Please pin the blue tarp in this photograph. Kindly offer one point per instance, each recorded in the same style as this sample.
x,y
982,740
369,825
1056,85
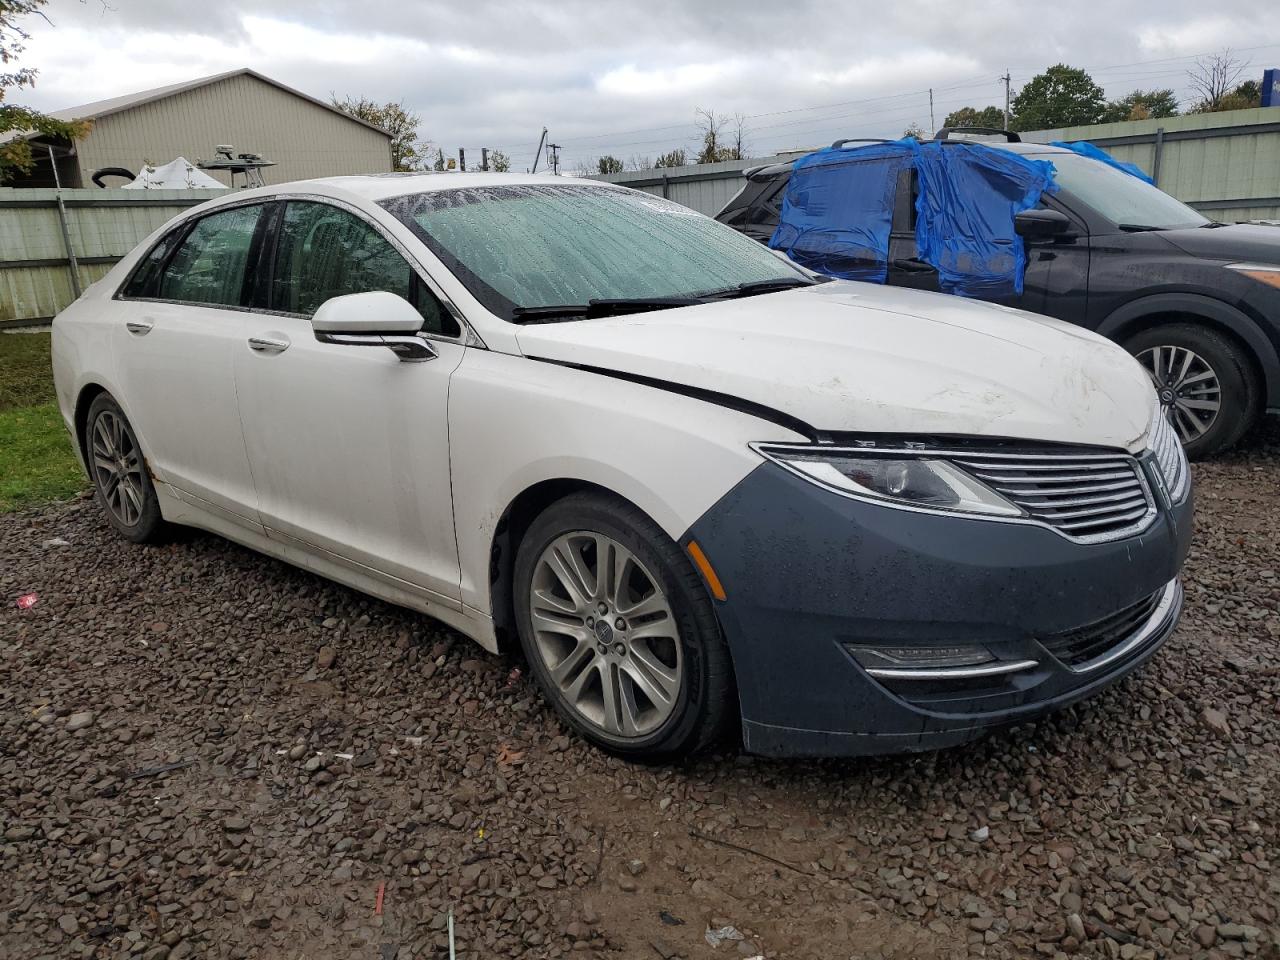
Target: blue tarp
x,y
969,196
838,210
1087,149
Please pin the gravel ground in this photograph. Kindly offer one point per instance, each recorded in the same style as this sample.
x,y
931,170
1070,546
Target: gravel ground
x,y
204,752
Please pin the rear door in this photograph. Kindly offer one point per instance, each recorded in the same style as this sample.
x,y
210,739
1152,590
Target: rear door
x,y
906,269
178,321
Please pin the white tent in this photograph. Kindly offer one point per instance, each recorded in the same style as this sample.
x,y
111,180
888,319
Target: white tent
x,y
179,174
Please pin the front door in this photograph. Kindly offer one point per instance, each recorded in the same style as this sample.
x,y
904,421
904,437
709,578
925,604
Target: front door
x,y
179,321
350,446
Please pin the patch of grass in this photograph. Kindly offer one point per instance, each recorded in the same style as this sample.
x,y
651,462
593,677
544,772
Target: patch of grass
x,y
26,377
37,463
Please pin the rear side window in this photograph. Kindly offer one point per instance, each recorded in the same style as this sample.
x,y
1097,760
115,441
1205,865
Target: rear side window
x,y
145,281
324,252
211,264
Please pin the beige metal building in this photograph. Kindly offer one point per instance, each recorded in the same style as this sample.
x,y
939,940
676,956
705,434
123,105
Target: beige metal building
x,y
304,136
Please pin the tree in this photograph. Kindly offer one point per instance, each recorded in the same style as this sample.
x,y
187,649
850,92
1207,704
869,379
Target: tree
x,y
675,158
1142,105
1214,78
914,132
438,165
500,162
609,164
640,163
992,117
407,148
1062,96
723,138
15,155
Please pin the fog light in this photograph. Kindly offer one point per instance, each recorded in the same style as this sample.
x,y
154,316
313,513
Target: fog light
x,y
924,658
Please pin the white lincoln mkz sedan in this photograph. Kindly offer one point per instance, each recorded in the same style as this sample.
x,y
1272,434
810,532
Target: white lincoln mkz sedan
x,y
708,493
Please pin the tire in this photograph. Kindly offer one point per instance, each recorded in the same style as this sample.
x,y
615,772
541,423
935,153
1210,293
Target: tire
x,y
1219,371
121,479
668,666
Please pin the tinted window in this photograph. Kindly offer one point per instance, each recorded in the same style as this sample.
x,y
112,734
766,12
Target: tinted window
x,y
325,252
145,281
211,264
530,245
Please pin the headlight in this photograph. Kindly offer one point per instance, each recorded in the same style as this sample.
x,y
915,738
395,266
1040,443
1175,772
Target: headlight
x,y
1261,272
1171,459
900,479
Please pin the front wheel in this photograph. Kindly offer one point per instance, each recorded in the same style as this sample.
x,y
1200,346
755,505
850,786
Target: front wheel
x,y
1205,384
619,630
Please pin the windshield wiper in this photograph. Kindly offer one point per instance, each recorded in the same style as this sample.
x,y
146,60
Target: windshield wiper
x,y
754,287
1138,227
619,306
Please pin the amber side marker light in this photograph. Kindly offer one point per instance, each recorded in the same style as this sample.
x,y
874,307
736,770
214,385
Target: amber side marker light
x,y
708,572
1271,277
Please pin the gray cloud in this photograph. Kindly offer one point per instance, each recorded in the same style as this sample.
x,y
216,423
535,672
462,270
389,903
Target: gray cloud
x,y
625,78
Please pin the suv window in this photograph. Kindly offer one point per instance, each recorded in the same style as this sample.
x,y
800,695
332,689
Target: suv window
x,y
210,265
324,252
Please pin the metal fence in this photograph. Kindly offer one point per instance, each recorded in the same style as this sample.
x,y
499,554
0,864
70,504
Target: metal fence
x,y
1226,165
53,247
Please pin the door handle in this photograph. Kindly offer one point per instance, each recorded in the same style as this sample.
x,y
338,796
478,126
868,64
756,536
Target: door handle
x,y
268,344
139,327
912,265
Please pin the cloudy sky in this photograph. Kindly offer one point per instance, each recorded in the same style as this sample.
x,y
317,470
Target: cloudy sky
x,y
626,78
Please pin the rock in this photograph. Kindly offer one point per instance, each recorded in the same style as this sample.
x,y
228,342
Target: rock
x,y
78,721
235,825
1205,935
1120,761
68,924
1215,721
981,834
1075,927
664,949
635,867
626,884
326,657
16,834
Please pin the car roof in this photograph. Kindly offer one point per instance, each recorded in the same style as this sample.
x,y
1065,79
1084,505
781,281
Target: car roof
x,y
379,186
771,170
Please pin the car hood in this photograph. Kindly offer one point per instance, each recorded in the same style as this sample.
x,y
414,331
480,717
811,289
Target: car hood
x,y
1247,242
845,356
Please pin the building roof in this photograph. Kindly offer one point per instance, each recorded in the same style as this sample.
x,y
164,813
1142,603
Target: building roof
x,y
103,108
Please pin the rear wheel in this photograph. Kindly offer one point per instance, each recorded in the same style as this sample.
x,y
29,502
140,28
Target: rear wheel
x,y
1205,384
121,482
619,630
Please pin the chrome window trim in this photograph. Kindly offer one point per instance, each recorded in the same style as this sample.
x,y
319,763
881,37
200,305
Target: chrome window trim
x,y
1139,525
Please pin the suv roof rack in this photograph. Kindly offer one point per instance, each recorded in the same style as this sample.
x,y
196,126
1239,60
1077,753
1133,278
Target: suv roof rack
x,y
840,143
946,132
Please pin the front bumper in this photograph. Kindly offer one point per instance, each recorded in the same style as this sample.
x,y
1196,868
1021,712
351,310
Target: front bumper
x,y
808,571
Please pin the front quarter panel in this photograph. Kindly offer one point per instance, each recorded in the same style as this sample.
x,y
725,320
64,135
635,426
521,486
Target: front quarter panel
x,y
516,422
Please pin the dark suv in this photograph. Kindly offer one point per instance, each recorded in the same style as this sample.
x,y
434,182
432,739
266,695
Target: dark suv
x,y
1196,301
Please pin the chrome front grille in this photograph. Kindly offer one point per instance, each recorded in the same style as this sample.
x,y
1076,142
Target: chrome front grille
x,y
1086,496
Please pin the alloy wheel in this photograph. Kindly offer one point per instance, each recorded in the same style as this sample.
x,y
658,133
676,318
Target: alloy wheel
x,y
1188,387
606,634
117,468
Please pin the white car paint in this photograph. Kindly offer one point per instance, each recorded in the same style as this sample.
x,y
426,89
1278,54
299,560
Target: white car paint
x,y
392,477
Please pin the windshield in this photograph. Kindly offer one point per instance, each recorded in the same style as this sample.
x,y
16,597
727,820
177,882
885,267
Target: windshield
x,y
521,246
1120,197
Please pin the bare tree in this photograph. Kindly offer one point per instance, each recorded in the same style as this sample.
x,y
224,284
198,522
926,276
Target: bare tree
x,y
640,163
712,125
738,136
1213,77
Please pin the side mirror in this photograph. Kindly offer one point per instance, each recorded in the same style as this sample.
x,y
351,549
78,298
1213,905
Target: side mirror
x,y
375,318
1043,225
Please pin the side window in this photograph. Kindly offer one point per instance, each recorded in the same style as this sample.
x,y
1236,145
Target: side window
x,y
904,205
211,264
145,281
324,252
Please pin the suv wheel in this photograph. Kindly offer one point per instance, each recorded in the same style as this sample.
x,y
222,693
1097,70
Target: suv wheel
x,y
619,630
1204,382
121,481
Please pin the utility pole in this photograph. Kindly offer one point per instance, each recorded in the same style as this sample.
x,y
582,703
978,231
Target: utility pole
x,y
484,159
553,151
538,155
933,126
462,159
1007,80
